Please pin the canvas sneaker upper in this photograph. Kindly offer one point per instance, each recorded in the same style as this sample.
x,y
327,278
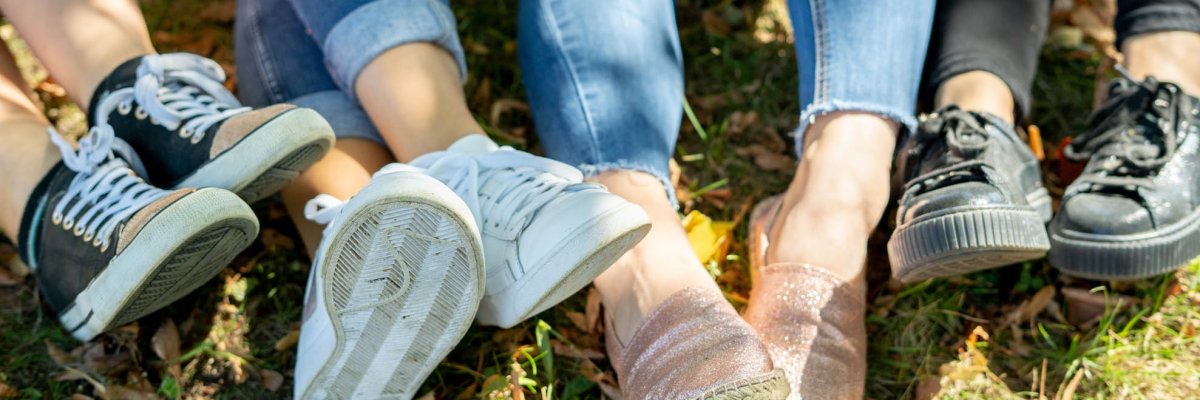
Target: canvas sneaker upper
x,y
175,111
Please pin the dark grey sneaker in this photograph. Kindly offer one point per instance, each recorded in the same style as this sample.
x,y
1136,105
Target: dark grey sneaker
x,y
191,132
1135,210
973,198
107,248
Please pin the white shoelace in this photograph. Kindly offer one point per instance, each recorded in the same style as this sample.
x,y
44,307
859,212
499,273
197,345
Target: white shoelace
x,y
530,182
105,189
172,88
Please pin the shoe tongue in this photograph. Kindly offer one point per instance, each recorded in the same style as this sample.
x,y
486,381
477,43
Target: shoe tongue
x,y
123,76
477,144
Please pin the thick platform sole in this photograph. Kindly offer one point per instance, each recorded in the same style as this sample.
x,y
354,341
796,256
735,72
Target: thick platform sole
x,y
401,282
179,250
269,158
579,259
1105,257
967,241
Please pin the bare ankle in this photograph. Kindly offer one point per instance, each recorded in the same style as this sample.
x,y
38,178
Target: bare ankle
x,y
978,91
1167,56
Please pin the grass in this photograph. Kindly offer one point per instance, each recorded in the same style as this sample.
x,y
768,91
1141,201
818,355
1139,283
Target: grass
x,y
236,335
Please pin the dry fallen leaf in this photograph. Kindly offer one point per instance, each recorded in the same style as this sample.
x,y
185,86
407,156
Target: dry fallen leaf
x,y
271,379
562,349
6,391
118,392
60,357
578,319
710,239
273,239
1085,307
166,341
592,311
288,340
1030,308
766,159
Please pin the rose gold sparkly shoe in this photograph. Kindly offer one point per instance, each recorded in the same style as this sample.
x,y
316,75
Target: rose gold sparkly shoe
x,y
694,346
810,320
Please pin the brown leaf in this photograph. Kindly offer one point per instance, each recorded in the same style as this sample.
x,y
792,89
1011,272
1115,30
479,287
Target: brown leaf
x,y
929,386
1085,307
288,340
578,319
714,24
271,379
7,392
273,239
101,358
427,396
1032,307
565,350
592,311
60,357
8,279
166,341
219,11
118,392
766,159
15,267
740,121
78,396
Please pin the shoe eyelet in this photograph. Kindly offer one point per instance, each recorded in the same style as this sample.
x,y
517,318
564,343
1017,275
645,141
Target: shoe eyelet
x,y
196,139
153,121
56,219
103,247
124,108
78,231
140,113
185,133
88,236
68,223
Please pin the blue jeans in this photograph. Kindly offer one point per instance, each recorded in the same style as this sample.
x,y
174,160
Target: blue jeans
x,y
604,78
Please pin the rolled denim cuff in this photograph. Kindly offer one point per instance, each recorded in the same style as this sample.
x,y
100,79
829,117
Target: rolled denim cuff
x,y
906,118
344,115
663,175
374,28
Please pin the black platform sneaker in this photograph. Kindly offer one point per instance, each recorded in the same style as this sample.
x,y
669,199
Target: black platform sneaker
x,y
973,198
107,248
191,132
1135,210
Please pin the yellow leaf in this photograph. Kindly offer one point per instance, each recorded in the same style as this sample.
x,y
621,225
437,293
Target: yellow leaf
x,y
710,239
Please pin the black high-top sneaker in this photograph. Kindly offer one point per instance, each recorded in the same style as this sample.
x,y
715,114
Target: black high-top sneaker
x,y
1135,210
973,198
107,248
191,132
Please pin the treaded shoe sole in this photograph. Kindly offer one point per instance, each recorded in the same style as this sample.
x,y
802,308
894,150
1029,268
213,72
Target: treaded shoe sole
x,y
177,251
401,282
962,242
1110,257
267,159
558,276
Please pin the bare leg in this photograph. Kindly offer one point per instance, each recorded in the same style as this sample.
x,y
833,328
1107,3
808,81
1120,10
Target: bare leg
x,y
846,164
1168,56
661,265
27,154
341,173
80,41
979,91
414,96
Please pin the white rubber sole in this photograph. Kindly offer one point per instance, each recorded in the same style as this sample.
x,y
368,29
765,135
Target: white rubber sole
x,y
579,258
177,251
269,158
401,280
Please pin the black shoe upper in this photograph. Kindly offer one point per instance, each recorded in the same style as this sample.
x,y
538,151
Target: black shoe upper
x,y
961,159
64,235
170,153
1141,149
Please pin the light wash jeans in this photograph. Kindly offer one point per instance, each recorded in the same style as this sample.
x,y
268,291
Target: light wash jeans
x,y
604,78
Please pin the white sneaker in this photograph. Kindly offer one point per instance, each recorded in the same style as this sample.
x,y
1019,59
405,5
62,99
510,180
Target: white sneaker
x,y
395,284
546,234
